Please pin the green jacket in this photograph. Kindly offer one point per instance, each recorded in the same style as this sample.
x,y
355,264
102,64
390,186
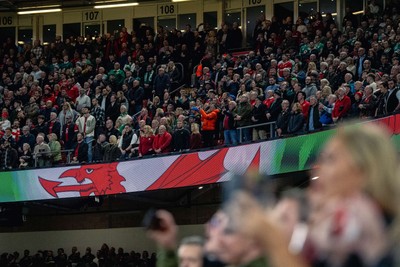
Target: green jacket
x,y
244,110
55,148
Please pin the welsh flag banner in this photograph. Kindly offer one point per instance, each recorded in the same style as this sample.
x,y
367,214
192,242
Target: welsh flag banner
x,y
189,169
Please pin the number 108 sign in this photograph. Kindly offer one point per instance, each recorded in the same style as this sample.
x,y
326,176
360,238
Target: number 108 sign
x,y
167,9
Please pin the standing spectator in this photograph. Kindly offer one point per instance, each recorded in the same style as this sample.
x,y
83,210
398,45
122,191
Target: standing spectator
x,y
110,130
53,126
283,119
392,98
276,106
305,105
4,122
310,88
180,138
136,96
162,140
69,132
41,152
113,109
55,148
146,141
342,106
230,132
37,49
235,37
258,117
195,137
80,154
243,118
98,148
209,116
313,120
26,137
8,156
99,114
296,120
161,83
86,125
326,110
368,103
83,100
65,112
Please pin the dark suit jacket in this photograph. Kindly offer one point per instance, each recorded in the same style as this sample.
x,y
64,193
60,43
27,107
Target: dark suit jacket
x,y
82,152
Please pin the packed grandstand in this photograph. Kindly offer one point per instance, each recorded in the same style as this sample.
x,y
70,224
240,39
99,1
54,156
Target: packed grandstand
x,y
155,91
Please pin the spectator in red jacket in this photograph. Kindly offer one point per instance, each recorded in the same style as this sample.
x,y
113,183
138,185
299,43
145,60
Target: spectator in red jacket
x,y
146,141
162,140
342,105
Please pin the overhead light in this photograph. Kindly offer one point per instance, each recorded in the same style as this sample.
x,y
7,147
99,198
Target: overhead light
x,y
315,178
358,12
117,5
200,187
333,14
33,7
109,1
180,1
39,11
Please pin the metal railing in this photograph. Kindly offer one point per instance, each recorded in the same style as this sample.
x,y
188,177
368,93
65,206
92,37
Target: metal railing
x,y
68,153
271,129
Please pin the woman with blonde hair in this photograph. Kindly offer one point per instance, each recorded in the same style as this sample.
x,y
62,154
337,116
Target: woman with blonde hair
x,y
325,92
111,150
353,201
195,137
311,67
66,112
55,148
146,142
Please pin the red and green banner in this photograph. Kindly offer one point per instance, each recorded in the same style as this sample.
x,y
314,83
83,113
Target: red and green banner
x,y
190,169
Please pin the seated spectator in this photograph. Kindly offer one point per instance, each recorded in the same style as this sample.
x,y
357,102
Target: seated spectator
x,y
128,143
162,141
111,151
25,157
296,120
80,154
146,141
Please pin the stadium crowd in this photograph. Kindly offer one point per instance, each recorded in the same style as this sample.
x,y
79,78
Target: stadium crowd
x,y
106,98
104,257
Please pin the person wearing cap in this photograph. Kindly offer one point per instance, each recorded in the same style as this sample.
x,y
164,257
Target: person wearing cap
x,y
258,117
86,125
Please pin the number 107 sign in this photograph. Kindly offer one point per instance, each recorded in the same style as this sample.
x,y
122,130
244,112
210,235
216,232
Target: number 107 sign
x,y
249,3
91,15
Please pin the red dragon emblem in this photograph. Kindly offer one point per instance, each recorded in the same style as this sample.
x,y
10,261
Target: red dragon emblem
x,y
104,180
